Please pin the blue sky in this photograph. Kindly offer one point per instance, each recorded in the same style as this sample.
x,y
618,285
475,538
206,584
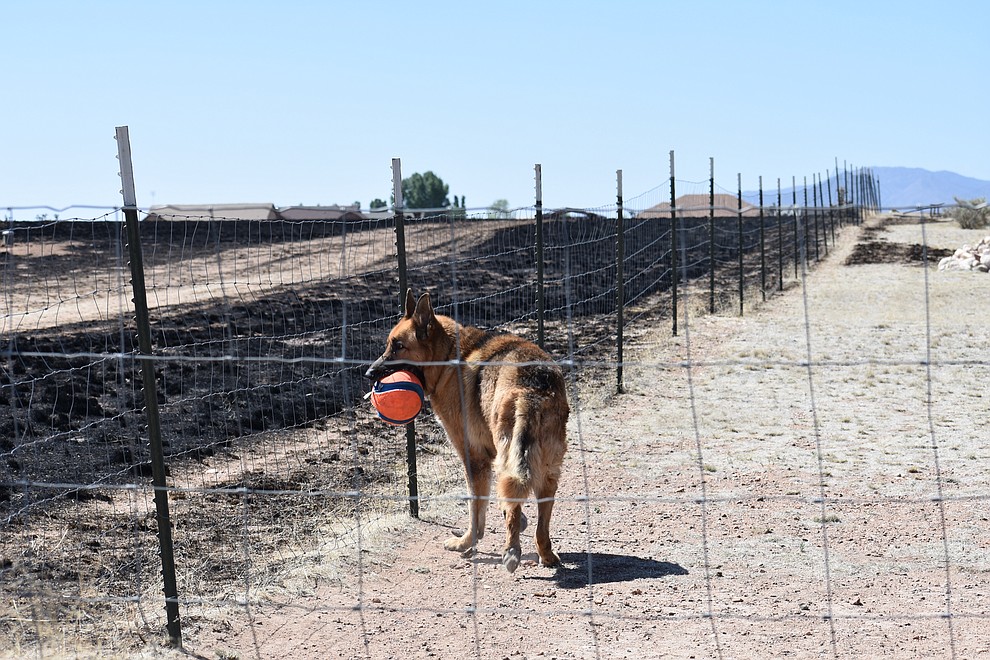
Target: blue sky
x,y
308,102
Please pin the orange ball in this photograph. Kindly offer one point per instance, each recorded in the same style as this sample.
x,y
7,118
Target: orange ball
x,y
398,397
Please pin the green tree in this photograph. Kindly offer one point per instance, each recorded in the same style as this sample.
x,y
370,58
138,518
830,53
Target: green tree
x,y
425,191
377,203
499,208
458,211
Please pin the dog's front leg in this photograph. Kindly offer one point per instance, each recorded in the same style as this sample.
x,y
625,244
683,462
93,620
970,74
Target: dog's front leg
x,y
478,473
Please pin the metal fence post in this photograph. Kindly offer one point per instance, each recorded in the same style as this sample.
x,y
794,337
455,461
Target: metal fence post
x,y
540,293
620,294
807,225
739,219
763,247
853,193
838,194
797,249
149,387
826,220
845,187
860,195
814,204
400,253
780,239
673,248
832,201
711,235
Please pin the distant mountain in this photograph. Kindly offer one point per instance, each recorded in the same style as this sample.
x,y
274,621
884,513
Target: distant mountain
x,y
901,188
906,187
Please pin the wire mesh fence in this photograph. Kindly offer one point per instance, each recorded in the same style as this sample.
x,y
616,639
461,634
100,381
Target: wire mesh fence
x,y
262,329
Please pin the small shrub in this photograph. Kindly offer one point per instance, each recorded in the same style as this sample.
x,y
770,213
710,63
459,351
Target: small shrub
x,y
972,214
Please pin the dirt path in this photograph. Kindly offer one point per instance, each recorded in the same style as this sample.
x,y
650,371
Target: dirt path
x,y
734,503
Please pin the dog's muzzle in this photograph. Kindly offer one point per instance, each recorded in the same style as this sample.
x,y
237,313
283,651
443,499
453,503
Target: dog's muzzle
x,y
379,369
384,366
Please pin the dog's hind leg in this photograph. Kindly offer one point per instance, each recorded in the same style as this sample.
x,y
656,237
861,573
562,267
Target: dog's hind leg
x,y
513,478
545,492
479,479
511,494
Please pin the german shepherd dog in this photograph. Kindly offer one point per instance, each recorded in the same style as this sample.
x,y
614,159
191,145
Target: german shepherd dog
x,y
503,404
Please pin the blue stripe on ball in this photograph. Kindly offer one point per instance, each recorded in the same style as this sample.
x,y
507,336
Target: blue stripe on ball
x,y
409,386
381,388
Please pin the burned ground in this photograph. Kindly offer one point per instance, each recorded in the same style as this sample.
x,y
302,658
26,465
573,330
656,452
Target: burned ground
x,y
247,381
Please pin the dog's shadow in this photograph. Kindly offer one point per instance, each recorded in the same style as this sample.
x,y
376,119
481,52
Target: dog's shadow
x,y
580,569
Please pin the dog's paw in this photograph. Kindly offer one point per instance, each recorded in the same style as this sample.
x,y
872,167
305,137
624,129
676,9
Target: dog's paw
x,y
510,560
461,544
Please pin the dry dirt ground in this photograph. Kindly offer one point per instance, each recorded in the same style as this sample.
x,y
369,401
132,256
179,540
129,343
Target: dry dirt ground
x,y
734,503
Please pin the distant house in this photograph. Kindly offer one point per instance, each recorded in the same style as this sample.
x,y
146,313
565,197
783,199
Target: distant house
x,y
379,214
257,212
331,212
218,211
697,206
557,214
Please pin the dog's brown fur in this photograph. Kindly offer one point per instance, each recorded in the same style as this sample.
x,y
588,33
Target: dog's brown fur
x,y
503,404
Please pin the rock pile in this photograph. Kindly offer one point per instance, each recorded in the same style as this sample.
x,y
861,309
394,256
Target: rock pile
x,y
968,257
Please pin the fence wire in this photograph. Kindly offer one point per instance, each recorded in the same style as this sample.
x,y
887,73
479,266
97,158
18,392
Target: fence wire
x,y
279,472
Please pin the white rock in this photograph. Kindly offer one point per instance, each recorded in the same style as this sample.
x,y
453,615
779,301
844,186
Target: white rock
x,y
969,258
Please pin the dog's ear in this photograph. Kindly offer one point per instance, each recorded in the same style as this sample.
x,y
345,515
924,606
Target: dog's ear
x,y
410,305
423,317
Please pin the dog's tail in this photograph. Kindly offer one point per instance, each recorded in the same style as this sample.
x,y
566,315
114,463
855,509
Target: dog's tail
x,y
517,464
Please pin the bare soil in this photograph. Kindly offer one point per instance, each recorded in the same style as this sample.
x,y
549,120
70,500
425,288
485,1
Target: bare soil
x,y
807,480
